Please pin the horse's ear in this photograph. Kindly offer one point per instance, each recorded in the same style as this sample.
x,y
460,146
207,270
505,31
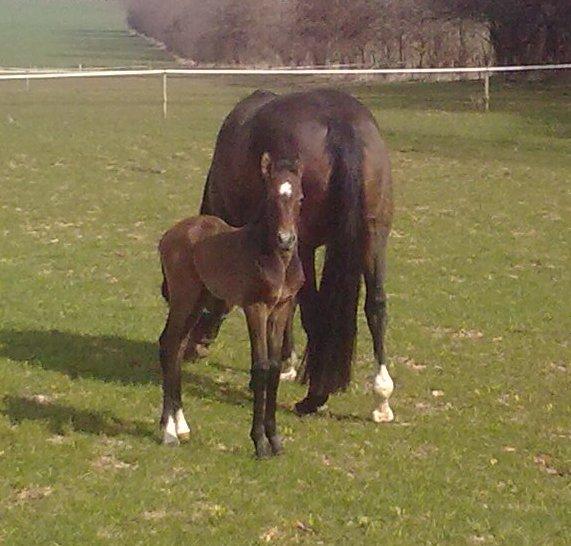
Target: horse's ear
x,y
266,164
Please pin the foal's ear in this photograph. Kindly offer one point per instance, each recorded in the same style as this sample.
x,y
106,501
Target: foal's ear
x,y
266,164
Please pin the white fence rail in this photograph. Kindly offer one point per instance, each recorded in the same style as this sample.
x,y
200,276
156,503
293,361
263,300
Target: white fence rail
x,y
484,72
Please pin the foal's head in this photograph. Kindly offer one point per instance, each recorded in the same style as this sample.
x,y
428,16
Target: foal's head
x,y
283,200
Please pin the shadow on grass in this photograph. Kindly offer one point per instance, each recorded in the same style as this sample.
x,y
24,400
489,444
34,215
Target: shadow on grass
x,y
106,358
64,419
112,359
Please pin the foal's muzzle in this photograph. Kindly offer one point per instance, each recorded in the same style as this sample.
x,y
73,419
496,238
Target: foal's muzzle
x,y
286,240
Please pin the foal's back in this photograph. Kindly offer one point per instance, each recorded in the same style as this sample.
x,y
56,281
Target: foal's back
x,y
203,252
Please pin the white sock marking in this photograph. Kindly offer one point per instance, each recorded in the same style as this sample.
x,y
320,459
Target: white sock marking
x,y
169,433
383,387
291,372
181,424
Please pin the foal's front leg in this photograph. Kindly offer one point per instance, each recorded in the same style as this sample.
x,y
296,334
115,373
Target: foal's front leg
x,y
277,323
257,316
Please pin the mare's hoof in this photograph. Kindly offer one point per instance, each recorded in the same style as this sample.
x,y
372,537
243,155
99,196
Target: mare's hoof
x,y
195,351
263,449
276,445
310,404
383,415
289,375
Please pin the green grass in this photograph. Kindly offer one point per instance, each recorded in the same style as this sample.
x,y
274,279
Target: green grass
x,y
64,33
91,176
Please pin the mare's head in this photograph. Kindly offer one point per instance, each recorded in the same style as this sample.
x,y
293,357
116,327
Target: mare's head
x,y
284,193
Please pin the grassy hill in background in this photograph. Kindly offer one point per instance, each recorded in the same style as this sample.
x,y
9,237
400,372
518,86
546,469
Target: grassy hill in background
x,y
67,33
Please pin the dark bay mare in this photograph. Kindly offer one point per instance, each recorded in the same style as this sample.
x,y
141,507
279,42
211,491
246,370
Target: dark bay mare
x,y
256,267
347,207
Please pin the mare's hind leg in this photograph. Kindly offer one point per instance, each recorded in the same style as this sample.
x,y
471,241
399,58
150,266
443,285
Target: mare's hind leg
x,y
289,358
173,340
376,312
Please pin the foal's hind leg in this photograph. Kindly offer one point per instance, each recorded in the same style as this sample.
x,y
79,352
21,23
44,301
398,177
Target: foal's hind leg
x,y
376,312
181,319
207,327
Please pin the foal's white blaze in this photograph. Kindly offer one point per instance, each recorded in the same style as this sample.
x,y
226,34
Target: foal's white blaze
x,y
182,428
383,387
169,434
286,189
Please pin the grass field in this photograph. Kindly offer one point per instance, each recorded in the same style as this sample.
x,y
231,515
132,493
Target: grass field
x,y
90,177
67,33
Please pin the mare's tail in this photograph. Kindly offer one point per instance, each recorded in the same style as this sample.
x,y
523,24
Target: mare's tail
x,y
332,343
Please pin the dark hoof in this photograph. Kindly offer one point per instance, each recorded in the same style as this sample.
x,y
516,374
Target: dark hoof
x,y
310,404
195,351
276,445
263,449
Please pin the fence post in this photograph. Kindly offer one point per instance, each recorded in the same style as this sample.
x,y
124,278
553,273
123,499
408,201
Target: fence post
x,y
165,98
487,91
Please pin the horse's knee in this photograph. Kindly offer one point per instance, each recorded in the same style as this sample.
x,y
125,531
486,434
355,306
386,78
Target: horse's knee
x,y
259,374
376,303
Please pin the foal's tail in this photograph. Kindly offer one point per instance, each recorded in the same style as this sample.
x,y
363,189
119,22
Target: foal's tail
x,y
334,328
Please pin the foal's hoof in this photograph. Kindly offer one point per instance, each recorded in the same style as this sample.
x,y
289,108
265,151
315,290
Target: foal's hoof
x,y
263,449
184,437
310,404
276,445
170,439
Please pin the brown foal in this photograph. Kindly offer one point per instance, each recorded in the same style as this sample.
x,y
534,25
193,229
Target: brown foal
x,y
209,265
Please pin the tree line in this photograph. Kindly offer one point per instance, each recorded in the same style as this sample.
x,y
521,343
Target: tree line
x,y
399,33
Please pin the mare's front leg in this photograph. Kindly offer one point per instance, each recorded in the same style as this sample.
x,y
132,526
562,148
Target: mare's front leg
x,y
277,323
309,306
289,358
376,312
256,317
